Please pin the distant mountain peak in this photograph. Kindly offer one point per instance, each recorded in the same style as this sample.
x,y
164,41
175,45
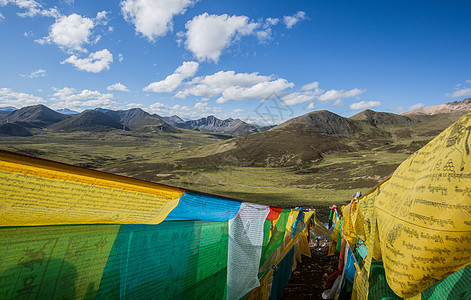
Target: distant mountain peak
x,y
91,120
67,111
35,116
461,102
381,119
321,121
8,108
213,124
455,106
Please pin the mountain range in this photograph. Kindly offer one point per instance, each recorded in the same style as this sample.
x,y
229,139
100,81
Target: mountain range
x,y
296,141
229,126
30,120
455,106
307,138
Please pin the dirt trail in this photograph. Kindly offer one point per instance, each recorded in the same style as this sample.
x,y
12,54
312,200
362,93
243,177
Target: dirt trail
x,y
308,281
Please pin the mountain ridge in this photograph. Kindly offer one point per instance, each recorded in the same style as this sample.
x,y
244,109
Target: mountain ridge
x,y
92,120
463,105
234,127
36,116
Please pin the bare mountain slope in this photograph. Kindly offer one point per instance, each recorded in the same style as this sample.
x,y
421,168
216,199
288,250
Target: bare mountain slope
x,y
37,116
455,106
92,120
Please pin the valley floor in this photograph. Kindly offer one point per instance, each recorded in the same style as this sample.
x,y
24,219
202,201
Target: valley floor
x,y
158,158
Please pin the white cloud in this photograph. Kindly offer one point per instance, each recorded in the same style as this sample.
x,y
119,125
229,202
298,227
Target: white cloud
x,y
133,105
70,32
265,34
118,87
171,82
156,107
153,19
272,21
95,63
338,102
33,8
290,21
468,81
120,57
339,94
415,106
258,91
1,16
10,98
299,97
364,105
228,85
464,92
311,91
101,18
80,100
208,35
310,106
402,109
310,86
35,74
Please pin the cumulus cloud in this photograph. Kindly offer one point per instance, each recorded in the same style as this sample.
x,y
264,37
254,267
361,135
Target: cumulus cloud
x,y
80,100
117,87
272,21
339,94
95,62
208,35
416,106
265,34
312,92
133,105
310,86
120,57
32,8
364,105
170,83
228,85
10,98
310,106
70,32
153,19
35,74
464,92
299,97
402,109
290,21
101,18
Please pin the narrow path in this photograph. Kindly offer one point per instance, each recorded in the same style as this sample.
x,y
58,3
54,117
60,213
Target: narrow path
x,y
308,281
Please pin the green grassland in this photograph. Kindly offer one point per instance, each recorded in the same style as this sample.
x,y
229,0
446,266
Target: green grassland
x,y
157,157
331,169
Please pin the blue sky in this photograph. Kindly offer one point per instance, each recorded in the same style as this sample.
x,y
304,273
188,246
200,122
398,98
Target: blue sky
x,y
226,58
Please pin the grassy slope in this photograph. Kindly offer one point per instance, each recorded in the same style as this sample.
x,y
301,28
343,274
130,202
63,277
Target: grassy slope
x,y
156,157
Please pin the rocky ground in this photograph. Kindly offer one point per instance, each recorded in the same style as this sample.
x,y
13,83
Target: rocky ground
x,y
308,281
